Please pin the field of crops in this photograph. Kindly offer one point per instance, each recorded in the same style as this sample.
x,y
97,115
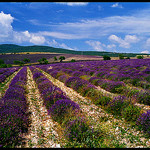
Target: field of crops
x,y
103,104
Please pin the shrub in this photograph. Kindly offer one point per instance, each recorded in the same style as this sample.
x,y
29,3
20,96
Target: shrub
x,y
63,78
117,105
131,112
62,108
105,57
17,62
61,58
143,122
1,61
73,60
77,129
3,66
9,65
26,60
128,57
121,56
103,101
139,57
55,58
43,61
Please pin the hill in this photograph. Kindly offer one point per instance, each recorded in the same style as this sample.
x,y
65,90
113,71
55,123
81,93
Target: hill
x,y
12,48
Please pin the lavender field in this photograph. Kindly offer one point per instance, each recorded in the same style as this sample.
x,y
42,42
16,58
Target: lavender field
x,y
91,104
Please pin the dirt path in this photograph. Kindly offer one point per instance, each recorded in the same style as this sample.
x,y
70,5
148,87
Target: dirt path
x,y
119,129
43,132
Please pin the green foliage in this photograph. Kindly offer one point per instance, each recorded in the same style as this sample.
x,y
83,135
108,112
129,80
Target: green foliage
x,y
117,105
3,66
1,61
103,101
55,58
73,60
81,135
139,57
128,57
61,58
121,56
43,61
17,62
105,57
9,65
26,60
9,48
135,81
131,112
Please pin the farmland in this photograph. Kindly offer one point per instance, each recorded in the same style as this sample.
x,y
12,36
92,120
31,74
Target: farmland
x,y
103,104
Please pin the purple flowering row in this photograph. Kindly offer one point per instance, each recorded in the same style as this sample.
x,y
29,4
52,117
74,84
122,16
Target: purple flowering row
x,y
59,106
13,111
116,106
107,76
130,71
5,72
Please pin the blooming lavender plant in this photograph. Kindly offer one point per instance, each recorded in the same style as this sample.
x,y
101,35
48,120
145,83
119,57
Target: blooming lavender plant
x,y
13,112
62,108
4,74
117,105
143,122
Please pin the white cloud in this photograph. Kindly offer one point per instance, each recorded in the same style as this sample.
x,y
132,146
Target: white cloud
x,y
61,35
116,5
111,46
37,39
96,45
54,43
7,33
145,52
73,3
5,25
126,43
131,38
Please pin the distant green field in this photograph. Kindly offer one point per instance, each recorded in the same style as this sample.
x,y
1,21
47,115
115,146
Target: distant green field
x,y
11,48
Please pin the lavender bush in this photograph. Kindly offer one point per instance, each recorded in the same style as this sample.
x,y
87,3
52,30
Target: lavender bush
x,y
117,105
143,122
5,73
62,108
13,112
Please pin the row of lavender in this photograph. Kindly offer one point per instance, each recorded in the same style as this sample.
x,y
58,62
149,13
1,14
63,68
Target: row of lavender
x,y
5,72
120,105
66,112
13,111
98,73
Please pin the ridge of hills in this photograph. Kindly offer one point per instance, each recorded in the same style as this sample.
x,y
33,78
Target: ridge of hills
x,y
12,48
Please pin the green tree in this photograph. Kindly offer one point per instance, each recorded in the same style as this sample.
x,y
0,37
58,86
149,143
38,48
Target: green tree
x,y
55,58
139,57
73,60
128,57
61,58
121,56
26,60
1,61
105,57
43,61
17,62
40,61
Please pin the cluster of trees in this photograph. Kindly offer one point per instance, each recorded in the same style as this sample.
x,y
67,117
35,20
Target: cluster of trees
x,y
61,58
3,65
121,56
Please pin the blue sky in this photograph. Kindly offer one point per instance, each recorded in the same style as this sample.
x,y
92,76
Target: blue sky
x,y
86,26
